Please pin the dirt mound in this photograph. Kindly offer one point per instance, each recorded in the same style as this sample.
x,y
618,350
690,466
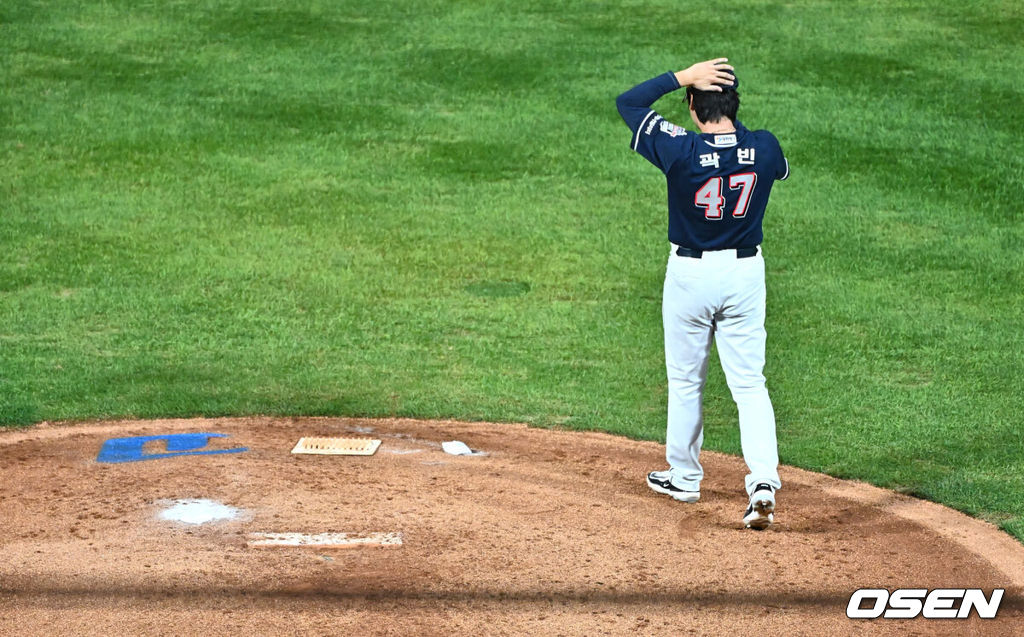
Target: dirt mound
x,y
550,532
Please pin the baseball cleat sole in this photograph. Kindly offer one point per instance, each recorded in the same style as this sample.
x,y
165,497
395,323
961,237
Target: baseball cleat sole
x,y
760,515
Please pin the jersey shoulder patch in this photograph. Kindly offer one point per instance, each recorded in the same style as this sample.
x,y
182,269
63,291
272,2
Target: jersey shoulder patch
x,y
671,129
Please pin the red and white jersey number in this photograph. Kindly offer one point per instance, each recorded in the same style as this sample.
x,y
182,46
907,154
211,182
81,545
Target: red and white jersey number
x,y
709,196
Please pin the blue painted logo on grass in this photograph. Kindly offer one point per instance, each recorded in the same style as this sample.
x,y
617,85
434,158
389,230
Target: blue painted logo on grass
x,y
130,449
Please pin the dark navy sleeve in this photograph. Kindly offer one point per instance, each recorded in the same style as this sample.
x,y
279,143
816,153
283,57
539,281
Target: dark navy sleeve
x,y
652,134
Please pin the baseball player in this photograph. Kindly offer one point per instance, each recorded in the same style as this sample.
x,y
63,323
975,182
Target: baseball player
x,y
718,185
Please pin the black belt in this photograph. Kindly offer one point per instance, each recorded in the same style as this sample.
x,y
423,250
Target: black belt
x,y
741,253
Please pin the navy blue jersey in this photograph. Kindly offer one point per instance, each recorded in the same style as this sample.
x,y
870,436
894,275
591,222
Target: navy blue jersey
x,y
718,184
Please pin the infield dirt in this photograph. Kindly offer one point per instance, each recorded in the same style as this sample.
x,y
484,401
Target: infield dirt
x,y
551,532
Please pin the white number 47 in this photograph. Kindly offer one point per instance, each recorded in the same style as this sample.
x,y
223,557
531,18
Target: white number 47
x,y
709,196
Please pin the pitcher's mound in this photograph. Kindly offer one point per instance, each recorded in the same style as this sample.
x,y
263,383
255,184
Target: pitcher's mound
x,y
542,532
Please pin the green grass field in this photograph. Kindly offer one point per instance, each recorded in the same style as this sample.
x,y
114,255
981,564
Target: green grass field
x,y
430,209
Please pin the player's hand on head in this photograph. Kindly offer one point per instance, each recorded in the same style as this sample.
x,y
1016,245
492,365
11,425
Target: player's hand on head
x,y
707,75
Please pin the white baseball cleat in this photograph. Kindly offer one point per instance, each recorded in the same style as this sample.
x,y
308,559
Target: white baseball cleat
x,y
761,512
661,481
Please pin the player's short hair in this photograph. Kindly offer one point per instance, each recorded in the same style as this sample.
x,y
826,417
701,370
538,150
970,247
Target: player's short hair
x,y
711,106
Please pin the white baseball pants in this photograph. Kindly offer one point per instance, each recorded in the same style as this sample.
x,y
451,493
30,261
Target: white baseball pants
x,y
723,297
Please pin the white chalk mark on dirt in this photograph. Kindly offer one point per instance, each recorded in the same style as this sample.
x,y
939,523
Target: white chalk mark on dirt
x,y
198,512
